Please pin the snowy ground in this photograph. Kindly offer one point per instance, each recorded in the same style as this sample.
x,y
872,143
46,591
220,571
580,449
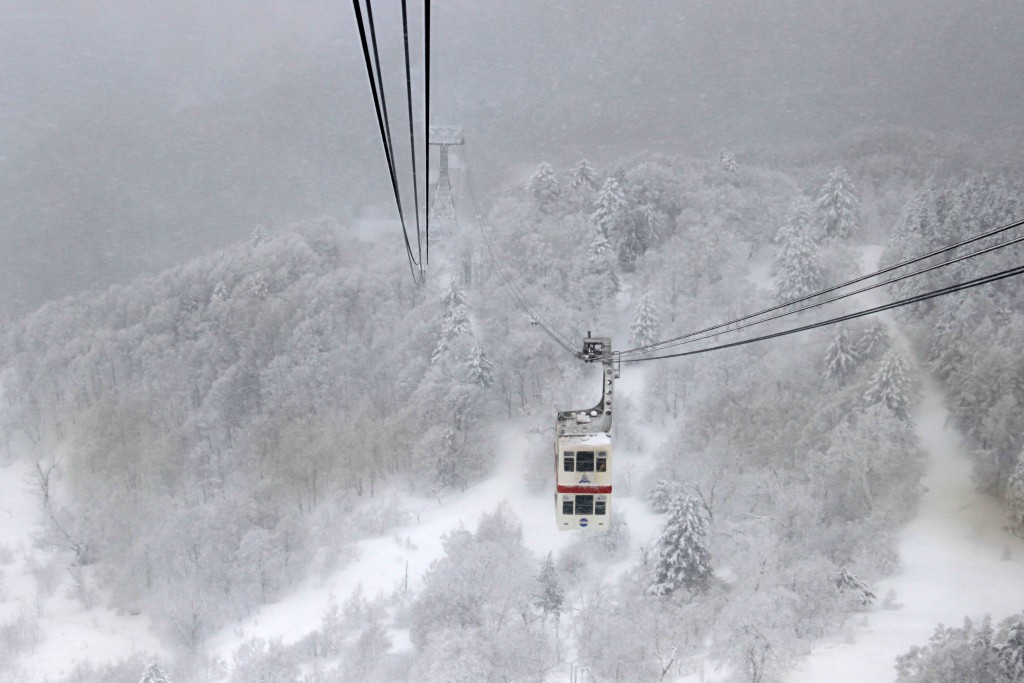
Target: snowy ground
x,y
37,591
958,560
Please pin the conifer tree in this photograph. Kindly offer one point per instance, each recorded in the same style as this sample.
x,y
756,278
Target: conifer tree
x,y
798,271
662,494
601,280
1015,497
837,206
683,560
644,327
455,321
890,386
550,596
874,342
583,176
840,358
479,367
258,287
1011,651
610,209
153,674
544,186
847,581
258,236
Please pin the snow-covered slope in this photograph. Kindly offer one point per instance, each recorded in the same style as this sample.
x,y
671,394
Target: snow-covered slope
x,y
39,599
958,559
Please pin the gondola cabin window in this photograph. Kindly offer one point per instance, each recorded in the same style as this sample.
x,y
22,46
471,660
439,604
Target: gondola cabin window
x,y
585,461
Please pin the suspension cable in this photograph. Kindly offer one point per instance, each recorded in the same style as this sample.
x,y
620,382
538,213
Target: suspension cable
x,y
412,137
967,284
890,281
382,126
426,109
656,345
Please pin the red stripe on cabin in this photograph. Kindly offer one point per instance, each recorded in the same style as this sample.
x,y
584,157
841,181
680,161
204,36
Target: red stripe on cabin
x,y
584,489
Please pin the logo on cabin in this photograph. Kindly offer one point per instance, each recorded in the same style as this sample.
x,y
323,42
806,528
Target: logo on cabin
x,y
584,479
583,521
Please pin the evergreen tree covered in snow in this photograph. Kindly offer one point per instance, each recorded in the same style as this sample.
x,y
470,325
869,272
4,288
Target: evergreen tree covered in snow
x,y
583,176
153,674
258,287
550,596
840,358
798,271
258,236
480,368
610,209
874,342
1011,650
600,279
455,321
846,581
544,186
974,652
645,322
954,655
890,386
683,560
1015,497
662,494
837,206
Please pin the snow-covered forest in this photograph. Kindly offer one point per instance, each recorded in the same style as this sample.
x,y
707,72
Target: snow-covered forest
x,y
281,460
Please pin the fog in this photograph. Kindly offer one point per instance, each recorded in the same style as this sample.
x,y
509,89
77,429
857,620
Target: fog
x,y
137,133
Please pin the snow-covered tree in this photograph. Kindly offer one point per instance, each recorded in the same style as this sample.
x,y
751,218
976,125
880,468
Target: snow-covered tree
x,y
644,327
662,494
600,279
891,385
258,287
479,367
220,291
874,342
837,206
610,209
847,581
953,655
798,271
840,358
544,186
583,176
683,560
1011,650
1015,497
154,674
258,236
455,323
550,596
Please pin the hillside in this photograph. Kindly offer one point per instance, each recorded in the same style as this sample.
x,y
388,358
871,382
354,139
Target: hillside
x,y
291,463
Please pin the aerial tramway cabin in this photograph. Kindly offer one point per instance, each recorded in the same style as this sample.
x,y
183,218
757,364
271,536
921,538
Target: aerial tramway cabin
x,y
583,454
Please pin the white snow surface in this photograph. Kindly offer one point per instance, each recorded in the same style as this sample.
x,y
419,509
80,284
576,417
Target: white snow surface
x,y
68,632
